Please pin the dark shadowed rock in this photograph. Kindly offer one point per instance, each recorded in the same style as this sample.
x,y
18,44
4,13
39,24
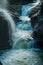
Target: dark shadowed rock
x,y
4,34
20,1
0,63
37,24
38,34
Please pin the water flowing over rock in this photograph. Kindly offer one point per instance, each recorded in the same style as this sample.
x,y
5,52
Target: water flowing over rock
x,y
20,38
7,27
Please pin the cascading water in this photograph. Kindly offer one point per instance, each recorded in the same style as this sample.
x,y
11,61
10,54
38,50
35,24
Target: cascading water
x,y
6,15
24,28
21,39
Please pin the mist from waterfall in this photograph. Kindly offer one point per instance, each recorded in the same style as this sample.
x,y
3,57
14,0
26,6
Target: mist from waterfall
x,y
3,3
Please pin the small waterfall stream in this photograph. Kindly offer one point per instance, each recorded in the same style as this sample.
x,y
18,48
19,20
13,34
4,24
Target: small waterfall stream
x,y
24,28
20,54
6,15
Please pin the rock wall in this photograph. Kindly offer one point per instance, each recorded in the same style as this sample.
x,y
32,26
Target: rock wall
x,y
4,34
38,30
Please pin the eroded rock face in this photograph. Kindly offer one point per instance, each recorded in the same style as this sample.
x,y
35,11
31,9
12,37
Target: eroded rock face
x,y
38,34
38,30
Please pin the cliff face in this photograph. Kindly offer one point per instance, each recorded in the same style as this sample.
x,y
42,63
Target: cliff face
x,y
38,30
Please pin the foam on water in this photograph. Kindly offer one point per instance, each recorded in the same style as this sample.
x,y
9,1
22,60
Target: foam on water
x,y
21,57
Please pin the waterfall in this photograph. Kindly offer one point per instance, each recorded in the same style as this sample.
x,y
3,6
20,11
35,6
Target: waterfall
x,y
28,8
24,27
11,23
20,54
